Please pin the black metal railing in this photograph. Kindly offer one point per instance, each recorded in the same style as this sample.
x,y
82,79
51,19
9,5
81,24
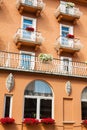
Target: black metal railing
x,y
30,63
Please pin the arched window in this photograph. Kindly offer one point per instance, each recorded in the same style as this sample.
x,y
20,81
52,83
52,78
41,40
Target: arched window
x,y
38,100
84,103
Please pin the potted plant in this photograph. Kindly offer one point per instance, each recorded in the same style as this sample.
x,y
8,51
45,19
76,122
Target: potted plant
x,y
7,120
48,121
30,121
70,4
45,57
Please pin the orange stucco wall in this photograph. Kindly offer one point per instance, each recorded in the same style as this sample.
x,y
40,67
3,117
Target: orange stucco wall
x,y
65,107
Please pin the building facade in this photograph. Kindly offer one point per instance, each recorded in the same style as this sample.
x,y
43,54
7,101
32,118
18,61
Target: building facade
x,y
43,64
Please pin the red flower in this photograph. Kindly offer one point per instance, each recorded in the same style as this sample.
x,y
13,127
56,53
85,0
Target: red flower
x,y
47,121
29,29
30,121
7,120
70,36
84,123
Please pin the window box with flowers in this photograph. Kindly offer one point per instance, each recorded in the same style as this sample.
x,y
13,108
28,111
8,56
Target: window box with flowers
x,y
7,120
30,29
47,121
70,36
45,57
30,121
84,123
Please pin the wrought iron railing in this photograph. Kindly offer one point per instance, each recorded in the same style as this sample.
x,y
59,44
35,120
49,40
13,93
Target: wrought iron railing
x,y
30,63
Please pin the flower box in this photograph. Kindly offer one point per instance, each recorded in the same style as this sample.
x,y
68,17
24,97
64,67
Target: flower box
x,y
45,57
84,123
7,120
31,121
48,121
70,36
30,29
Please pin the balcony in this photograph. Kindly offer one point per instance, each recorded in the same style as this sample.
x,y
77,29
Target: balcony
x,y
28,38
18,62
69,45
30,6
70,14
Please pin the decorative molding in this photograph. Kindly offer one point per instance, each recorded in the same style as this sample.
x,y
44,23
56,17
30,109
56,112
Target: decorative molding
x,y
10,82
68,88
68,122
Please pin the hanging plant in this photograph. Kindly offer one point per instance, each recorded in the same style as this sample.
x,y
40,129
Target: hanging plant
x,y
45,57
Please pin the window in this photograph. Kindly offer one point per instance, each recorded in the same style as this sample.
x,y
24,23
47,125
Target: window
x,y
8,106
27,60
64,30
84,104
28,35
38,100
66,65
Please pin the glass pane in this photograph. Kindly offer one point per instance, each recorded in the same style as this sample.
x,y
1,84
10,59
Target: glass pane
x,y
25,62
30,108
7,107
45,108
38,88
84,110
27,21
84,94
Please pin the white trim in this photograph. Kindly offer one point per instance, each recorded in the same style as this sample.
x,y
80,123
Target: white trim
x,y
38,98
11,99
69,67
28,18
70,28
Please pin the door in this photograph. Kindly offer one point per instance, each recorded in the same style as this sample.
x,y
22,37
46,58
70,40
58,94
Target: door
x,y
66,65
64,41
27,60
28,35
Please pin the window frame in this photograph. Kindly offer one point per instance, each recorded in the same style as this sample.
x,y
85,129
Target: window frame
x,y
10,107
38,104
70,64
32,34
25,52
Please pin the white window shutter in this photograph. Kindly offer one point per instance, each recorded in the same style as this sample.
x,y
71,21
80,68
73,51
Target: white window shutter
x,y
33,34
61,64
34,24
71,30
32,61
70,65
